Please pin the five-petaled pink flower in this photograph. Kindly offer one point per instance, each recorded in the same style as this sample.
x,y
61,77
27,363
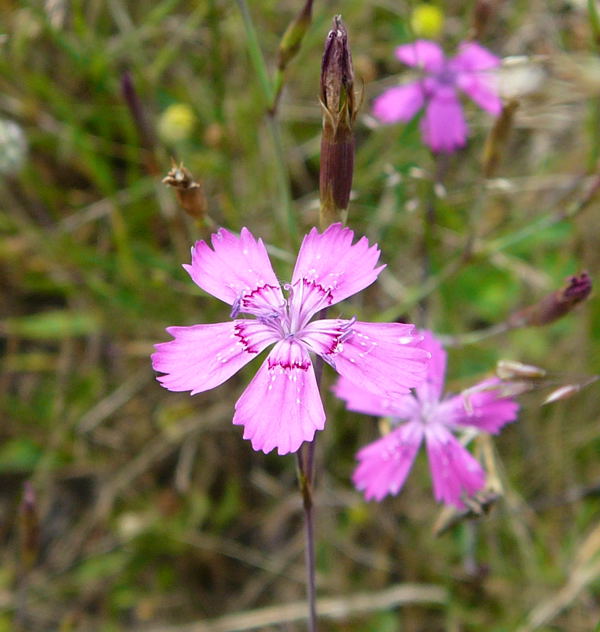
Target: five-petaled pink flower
x,y
281,407
443,124
385,463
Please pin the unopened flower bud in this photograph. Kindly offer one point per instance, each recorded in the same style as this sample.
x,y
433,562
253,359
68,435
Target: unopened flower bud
x,y
288,48
568,390
293,36
29,528
427,20
511,370
190,194
339,107
498,137
554,305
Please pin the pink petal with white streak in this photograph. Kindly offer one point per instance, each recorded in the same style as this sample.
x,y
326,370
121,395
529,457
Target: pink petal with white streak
x,y
329,262
480,406
383,358
399,103
203,356
281,407
233,267
362,401
421,54
385,463
454,471
443,125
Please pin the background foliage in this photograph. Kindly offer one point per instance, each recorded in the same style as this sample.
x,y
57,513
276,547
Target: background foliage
x,y
153,511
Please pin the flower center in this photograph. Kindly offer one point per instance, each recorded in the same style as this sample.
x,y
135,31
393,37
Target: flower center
x,y
446,76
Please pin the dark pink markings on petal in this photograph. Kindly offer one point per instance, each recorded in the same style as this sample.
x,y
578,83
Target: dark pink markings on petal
x,y
325,337
203,356
265,301
383,358
281,408
331,261
232,266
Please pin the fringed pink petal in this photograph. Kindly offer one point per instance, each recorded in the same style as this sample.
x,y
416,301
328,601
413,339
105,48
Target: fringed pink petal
x,y
455,473
363,401
384,464
281,407
422,54
431,389
331,268
443,125
481,406
234,267
399,103
383,358
474,57
201,357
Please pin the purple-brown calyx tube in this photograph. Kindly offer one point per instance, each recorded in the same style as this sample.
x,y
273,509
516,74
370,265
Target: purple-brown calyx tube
x,y
555,305
339,105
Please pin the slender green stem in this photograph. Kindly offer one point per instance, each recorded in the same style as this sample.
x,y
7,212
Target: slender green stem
x,y
306,478
255,52
285,211
304,456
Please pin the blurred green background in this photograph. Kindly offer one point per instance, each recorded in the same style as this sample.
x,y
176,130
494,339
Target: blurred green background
x,y
153,512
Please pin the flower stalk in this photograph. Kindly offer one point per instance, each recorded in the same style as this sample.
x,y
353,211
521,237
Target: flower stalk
x,y
339,106
140,120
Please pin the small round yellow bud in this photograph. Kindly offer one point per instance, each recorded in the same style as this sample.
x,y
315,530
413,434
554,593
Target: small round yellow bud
x,y
176,123
427,20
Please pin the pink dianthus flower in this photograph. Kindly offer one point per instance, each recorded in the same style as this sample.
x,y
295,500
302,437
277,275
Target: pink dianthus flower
x,y
281,407
443,124
425,414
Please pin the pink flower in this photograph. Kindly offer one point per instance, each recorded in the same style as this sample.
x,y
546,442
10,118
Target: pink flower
x,y
281,407
385,463
443,125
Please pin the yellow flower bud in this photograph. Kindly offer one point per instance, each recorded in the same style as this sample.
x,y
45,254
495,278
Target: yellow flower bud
x,y
427,20
176,123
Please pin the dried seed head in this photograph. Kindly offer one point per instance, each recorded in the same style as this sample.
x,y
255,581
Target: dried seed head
x,y
190,193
